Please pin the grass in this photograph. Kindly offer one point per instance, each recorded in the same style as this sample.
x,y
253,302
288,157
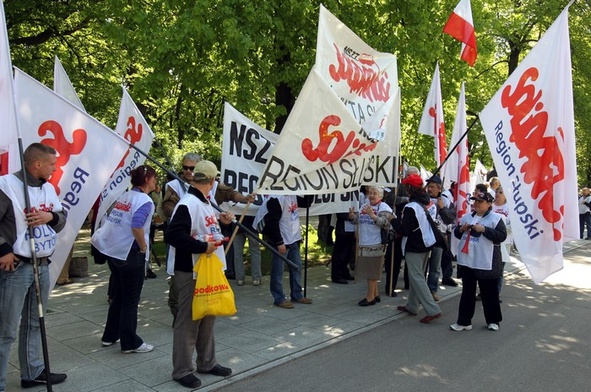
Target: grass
x,y
318,252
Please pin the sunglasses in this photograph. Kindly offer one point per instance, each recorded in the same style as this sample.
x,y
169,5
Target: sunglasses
x,y
190,168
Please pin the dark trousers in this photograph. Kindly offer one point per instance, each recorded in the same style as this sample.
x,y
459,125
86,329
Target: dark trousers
x,y
489,294
393,264
585,221
447,269
342,252
126,282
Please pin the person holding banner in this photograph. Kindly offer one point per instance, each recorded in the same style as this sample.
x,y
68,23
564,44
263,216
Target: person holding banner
x,y
481,234
418,239
18,300
124,239
194,214
373,216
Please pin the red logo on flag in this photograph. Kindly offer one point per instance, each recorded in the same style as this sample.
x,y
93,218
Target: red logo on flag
x,y
544,164
133,134
64,148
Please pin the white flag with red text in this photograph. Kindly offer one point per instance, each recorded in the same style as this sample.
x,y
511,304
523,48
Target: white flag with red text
x,y
461,27
63,86
432,122
132,126
457,167
9,133
87,154
529,126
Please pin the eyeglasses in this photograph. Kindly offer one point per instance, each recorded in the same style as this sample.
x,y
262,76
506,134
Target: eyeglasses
x,y
190,168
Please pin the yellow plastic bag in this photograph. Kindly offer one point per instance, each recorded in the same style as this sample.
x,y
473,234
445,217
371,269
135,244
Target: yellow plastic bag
x,y
213,295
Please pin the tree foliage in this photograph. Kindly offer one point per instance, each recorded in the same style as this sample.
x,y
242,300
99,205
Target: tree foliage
x,y
182,59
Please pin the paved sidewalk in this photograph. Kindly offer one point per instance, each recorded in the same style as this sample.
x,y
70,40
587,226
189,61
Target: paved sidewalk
x,y
259,336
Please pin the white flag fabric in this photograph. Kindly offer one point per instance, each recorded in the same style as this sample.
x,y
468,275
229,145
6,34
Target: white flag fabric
x,y
132,126
9,133
246,149
63,86
432,122
322,148
87,154
529,126
457,167
478,175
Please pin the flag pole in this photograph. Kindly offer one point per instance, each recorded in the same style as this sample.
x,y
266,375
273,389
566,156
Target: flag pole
x,y
456,145
36,273
239,224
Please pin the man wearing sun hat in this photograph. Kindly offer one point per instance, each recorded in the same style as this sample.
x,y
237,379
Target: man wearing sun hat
x,y
194,214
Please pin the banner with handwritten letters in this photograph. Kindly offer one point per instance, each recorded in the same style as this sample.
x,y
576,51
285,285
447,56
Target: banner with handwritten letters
x,y
366,81
132,126
245,151
529,126
87,154
9,134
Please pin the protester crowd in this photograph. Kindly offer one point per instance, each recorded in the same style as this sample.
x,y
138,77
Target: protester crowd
x,y
411,227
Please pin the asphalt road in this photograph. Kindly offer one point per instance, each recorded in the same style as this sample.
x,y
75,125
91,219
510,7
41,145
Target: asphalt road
x,y
542,345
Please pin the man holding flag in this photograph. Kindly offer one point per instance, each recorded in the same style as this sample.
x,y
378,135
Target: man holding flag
x,y
17,281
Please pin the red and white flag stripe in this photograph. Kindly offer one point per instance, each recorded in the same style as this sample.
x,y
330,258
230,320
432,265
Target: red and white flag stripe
x,y
461,27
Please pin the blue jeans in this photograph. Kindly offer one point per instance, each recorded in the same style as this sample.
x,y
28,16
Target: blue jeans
x,y
295,277
433,265
255,256
18,301
127,280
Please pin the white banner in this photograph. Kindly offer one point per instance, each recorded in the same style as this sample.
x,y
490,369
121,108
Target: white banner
x,y
9,133
366,81
529,126
63,86
246,149
132,126
87,154
432,122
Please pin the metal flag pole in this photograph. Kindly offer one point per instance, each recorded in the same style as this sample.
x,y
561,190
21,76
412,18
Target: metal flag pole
x,y
456,145
306,252
38,295
239,224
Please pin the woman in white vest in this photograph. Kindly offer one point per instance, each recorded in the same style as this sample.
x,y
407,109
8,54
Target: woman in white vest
x,y
481,234
417,241
124,239
371,218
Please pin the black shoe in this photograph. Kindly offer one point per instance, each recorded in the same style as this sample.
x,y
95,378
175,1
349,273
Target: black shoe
x,y
449,282
377,299
218,370
56,378
350,277
189,381
365,302
391,294
230,276
150,274
340,281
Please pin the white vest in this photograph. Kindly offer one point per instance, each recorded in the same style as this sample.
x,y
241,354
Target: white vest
x,y
480,248
369,232
114,238
289,223
424,226
41,198
204,220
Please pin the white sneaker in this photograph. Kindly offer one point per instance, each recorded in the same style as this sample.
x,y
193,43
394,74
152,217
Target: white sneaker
x,y
458,327
144,348
493,327
240,282
257,282
107,344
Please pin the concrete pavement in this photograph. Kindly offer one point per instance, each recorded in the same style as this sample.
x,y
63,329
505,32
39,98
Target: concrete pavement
x,y
258,337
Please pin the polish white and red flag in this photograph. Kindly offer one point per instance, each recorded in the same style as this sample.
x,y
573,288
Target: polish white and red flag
x,y
432,121
9,132
87,154
461,27
457,167
529,126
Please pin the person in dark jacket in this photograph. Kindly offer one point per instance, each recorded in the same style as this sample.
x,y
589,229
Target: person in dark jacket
x,y
418,239
479,255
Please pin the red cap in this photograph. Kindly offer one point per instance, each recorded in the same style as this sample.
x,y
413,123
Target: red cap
x,y
413,180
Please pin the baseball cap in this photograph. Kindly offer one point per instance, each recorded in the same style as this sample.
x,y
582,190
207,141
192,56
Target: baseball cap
x,y
205,170
413,180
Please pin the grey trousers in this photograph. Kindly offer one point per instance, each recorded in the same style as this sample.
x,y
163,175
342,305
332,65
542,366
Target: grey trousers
x,y
190,335
419,293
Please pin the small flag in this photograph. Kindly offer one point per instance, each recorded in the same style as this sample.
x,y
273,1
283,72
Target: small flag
x,y
460,26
